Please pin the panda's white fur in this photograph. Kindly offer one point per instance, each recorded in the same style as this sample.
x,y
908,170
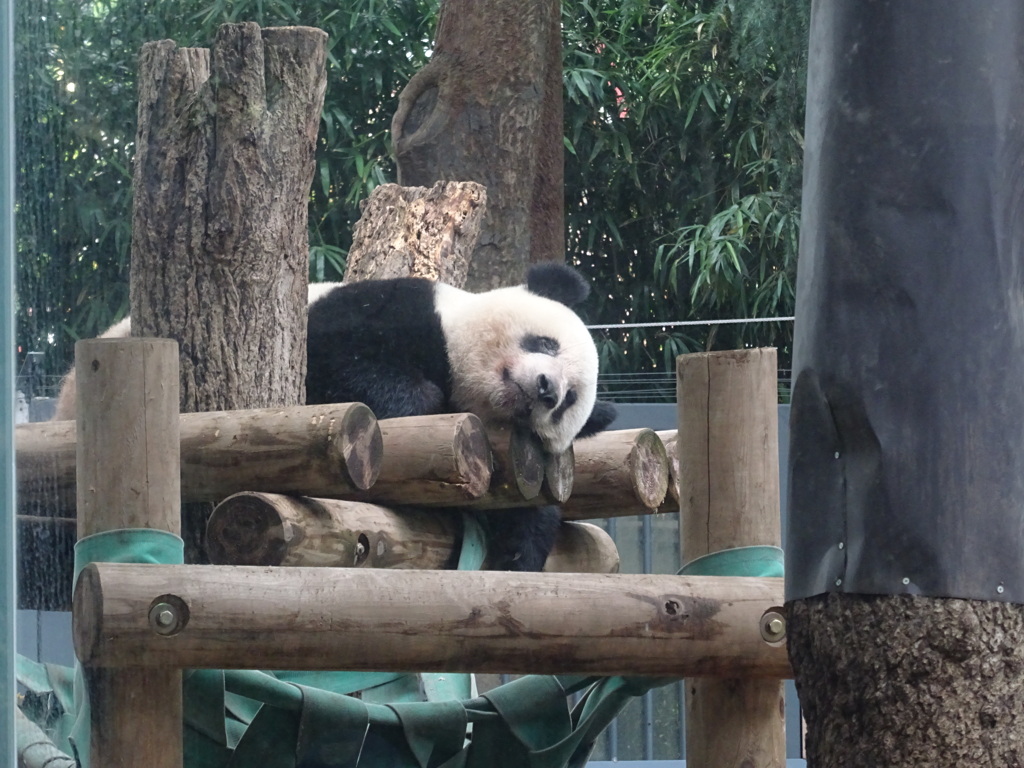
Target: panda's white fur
x,y
493,375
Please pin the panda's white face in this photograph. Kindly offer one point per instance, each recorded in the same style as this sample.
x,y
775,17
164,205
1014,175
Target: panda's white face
x,y
520,358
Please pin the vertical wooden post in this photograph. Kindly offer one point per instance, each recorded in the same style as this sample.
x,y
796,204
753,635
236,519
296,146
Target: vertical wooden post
x,y
729,497
129,477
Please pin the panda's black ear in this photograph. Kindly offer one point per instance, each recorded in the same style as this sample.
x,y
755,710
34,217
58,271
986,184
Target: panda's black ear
x,y
557,282
601,417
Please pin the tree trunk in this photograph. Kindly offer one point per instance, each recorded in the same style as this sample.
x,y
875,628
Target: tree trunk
x,y
904,576
912,681
488,108
220,257
223,168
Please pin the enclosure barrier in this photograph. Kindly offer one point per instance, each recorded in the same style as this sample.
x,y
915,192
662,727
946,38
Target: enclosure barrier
x,y
136,626
249,617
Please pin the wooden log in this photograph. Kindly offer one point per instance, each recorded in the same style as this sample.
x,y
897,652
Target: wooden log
x,y
669,437
518,475
443,459
559,476
330,450
454,621
45,455
35,748
272,529
426,232
582,548
223,165
322,449
335,451
128,477
729,467
624,472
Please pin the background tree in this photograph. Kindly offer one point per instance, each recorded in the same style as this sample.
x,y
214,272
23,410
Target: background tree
x,y
488,108
683,124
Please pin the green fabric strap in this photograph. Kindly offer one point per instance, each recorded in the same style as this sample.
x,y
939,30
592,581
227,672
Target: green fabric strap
x,y
126,545
739,561
251,719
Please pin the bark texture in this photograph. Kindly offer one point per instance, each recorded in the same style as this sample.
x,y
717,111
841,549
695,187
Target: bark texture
x,y
222,174
912,681
417,232
488,108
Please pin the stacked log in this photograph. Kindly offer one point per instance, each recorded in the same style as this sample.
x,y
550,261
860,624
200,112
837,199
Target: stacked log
x,y
352,481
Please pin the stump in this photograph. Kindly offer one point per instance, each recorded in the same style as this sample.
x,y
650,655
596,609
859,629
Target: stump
x,y
417,232
223,168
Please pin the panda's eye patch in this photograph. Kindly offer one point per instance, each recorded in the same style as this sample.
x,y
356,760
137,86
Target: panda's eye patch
x,y
565,405
543,345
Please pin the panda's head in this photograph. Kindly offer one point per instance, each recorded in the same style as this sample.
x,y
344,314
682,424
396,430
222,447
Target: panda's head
x,y
520,355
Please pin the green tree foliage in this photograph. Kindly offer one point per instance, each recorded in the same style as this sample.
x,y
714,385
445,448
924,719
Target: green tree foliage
x,y
683,126
684,130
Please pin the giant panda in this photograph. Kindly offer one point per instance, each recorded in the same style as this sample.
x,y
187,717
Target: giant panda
x,y
513,356
517,356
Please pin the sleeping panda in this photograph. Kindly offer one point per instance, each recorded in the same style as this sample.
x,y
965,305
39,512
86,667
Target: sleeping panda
x,y
516,356
513,356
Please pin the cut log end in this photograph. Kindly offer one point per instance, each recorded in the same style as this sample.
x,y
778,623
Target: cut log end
x,y
246,528
87,604
473,456
527,459
359,446
648,462
558,475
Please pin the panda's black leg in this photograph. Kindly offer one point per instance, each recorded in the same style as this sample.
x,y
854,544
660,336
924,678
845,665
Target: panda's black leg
x,y
520,539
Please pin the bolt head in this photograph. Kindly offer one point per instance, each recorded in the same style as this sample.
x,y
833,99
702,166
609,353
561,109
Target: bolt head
x,y
165,619
773,627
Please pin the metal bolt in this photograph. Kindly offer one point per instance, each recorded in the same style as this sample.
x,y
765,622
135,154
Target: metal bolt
x,y
999,589
773,627
164,619
839,582
841,545
906,580
837,454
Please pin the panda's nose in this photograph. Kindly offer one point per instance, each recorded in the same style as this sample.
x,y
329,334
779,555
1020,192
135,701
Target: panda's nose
x,y
546,393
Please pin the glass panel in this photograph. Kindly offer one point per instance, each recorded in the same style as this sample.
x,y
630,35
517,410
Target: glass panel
x,y
7,556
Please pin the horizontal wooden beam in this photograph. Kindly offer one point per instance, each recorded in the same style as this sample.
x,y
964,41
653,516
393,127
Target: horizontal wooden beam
x,y
327,450
272,529
341,451
623,472
211,616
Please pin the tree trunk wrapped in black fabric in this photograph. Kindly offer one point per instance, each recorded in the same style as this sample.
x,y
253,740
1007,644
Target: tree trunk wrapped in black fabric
x,y
907,460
